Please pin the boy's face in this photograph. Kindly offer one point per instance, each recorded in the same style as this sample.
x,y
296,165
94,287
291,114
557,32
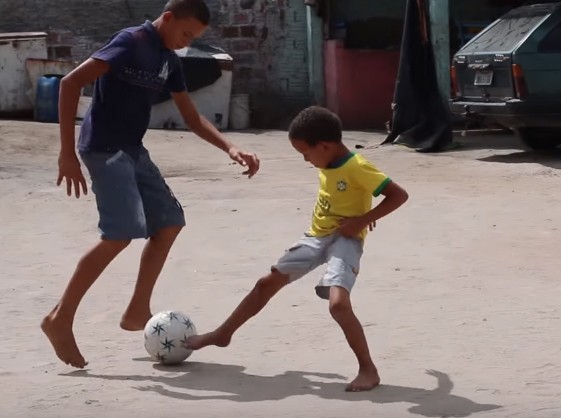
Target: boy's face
x,y
179,33
319,155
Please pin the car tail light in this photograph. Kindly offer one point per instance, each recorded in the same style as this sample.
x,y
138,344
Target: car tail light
x,y
520,86
455,87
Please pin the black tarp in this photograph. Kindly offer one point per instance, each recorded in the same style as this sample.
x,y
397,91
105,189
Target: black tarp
x,y
201,69
421,118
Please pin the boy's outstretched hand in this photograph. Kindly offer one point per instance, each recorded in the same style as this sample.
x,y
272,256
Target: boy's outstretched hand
x,y
245,159
69,169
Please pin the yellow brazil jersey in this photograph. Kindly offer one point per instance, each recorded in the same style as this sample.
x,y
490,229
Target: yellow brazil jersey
x,y
345,190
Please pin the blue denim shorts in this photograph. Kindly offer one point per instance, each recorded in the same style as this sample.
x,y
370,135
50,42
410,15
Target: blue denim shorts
x,y
133,199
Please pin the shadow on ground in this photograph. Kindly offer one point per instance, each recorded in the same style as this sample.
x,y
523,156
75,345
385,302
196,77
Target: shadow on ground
x,y
230,382
551,159
504,141
486,140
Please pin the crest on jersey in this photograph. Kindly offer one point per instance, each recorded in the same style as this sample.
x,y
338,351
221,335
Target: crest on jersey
x,y
341,185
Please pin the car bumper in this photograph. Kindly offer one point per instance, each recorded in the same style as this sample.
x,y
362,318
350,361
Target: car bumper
x,y
511,114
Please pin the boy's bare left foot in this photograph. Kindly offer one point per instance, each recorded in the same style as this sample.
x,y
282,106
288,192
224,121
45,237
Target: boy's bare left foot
x,y
59,333
135,321
367,379
196,342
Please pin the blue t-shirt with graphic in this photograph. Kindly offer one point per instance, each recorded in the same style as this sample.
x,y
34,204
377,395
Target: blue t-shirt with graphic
x,y
141,68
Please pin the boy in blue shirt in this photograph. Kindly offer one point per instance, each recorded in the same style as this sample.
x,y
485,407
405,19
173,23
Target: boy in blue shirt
x,y
133,200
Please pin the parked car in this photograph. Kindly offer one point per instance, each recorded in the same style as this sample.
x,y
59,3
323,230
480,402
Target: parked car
x,y
510,75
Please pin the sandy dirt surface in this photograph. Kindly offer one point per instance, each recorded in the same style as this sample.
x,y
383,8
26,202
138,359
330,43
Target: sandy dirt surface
x,y
459,292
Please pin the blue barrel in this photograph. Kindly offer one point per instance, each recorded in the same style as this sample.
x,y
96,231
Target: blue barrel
x,y
46,98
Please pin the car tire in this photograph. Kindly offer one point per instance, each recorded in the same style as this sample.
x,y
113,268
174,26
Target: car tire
x,y
540,139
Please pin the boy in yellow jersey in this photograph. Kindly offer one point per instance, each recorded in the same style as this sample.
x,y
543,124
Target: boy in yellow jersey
x,y
341,219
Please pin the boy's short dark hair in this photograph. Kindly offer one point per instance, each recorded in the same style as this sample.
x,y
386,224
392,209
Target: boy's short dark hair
x,y
316,124
183,9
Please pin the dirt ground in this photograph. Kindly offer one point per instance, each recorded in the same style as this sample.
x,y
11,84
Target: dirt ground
x,y
459,291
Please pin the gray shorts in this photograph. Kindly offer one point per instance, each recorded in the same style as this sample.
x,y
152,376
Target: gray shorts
x,y
133,199
342,256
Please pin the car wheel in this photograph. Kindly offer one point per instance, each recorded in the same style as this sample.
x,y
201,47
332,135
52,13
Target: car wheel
x,y
540,139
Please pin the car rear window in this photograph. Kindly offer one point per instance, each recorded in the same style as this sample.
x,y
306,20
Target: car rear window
x,y
505,34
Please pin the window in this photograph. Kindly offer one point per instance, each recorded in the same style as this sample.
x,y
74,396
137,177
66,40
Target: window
x,y
504,35
552,42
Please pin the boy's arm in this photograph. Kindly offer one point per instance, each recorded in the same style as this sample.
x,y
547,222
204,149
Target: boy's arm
x,y
372,180
394,197
70,87
204,129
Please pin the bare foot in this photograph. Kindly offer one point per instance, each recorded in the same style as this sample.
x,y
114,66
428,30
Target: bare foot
x,y
367,379
196,342
135,321
59,333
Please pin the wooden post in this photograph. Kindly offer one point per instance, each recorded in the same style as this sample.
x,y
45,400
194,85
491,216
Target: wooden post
x,y
440,36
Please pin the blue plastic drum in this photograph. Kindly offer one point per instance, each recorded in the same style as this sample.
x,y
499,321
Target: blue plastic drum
x,y
46,99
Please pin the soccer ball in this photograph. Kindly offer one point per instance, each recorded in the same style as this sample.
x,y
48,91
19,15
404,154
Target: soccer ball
x,y
165,336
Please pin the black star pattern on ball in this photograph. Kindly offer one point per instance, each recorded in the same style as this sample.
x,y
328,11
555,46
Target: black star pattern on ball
x,y
158,329
167,344
172,316
187,322
161,357
184,340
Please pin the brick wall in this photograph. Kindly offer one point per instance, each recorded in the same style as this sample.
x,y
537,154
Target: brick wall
x,y
267,39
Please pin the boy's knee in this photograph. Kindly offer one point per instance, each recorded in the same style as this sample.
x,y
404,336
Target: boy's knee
x,y
340,310
339,304
271,284
168,233
175,230
116,245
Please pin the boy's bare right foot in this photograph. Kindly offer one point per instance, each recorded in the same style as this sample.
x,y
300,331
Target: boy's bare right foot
x,y
59,333
367,379
135,321
196,342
